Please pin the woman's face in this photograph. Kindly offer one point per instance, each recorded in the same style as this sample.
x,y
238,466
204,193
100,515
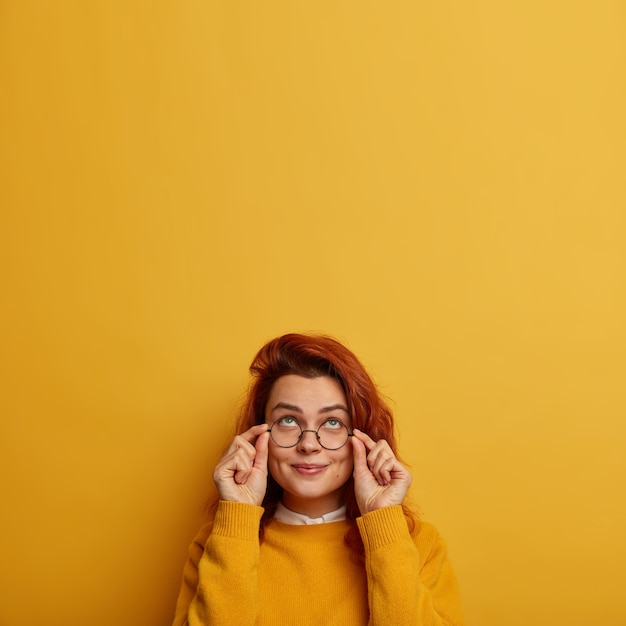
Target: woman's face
x,y
311,476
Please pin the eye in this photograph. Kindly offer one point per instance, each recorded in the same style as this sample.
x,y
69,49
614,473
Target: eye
x,y
287,422
332,424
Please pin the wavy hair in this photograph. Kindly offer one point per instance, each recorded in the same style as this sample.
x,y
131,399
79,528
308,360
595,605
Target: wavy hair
x,y
312,356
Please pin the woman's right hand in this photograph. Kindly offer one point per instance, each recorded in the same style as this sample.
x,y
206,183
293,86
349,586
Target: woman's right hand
x,y
241,474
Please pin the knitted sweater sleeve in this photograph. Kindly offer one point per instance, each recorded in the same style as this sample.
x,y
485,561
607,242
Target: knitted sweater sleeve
x,y
220,578
409,577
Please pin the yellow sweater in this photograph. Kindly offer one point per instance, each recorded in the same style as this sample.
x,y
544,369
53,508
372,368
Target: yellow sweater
x,y
306,576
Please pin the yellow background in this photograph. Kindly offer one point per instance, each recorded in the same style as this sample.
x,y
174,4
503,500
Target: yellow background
x,y
439,184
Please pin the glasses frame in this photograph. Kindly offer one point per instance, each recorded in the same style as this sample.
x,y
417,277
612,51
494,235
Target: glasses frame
x,y
308,430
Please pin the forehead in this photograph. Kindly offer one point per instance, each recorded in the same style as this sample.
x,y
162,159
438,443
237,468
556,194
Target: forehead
x,y
309,394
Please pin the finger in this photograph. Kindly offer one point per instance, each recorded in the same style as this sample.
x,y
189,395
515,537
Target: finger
x,y
380,459
246,439
238,446
382,470
261,446
366,439
360,455
379,456
252,433
241,467
258,460
232,467
381,451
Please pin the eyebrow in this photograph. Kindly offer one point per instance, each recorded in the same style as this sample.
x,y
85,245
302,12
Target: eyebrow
x,y
297,409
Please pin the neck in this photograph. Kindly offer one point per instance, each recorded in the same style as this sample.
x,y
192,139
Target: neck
x,y
312,508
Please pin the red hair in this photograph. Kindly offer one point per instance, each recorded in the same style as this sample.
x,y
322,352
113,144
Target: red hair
x,y
312,356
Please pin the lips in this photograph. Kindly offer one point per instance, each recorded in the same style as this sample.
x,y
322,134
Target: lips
x,y
309,469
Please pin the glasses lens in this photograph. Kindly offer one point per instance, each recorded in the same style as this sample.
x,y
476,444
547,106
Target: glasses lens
x,y
332,434
286,432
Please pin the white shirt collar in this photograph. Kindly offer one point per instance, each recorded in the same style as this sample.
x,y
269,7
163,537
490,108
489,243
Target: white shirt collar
x,y
283,514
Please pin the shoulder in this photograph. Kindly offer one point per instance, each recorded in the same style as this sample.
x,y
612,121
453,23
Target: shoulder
x,y
196,547
424,530
203,534
428,541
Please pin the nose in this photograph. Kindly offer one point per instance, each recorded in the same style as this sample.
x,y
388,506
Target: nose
x,y
309,444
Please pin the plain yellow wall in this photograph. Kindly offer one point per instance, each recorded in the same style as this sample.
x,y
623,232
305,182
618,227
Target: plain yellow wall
x,y
440,185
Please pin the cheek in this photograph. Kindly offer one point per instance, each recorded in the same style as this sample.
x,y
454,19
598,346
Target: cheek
x,y
345,467
274,460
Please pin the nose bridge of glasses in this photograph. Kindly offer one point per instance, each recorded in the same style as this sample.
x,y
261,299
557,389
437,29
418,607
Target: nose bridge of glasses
x,y
308,430
331,440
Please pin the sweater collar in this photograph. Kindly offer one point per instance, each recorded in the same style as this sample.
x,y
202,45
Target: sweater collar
x,y
283,514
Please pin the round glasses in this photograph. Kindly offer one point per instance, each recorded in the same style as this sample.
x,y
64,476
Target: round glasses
x,y
332,434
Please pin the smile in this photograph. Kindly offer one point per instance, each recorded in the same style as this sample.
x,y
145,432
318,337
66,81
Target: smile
x,y
307,469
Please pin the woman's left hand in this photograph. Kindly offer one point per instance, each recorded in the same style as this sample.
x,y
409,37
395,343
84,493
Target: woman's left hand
x,y
379,478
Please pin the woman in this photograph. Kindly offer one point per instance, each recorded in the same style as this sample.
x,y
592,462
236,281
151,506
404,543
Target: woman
x,y
311,525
